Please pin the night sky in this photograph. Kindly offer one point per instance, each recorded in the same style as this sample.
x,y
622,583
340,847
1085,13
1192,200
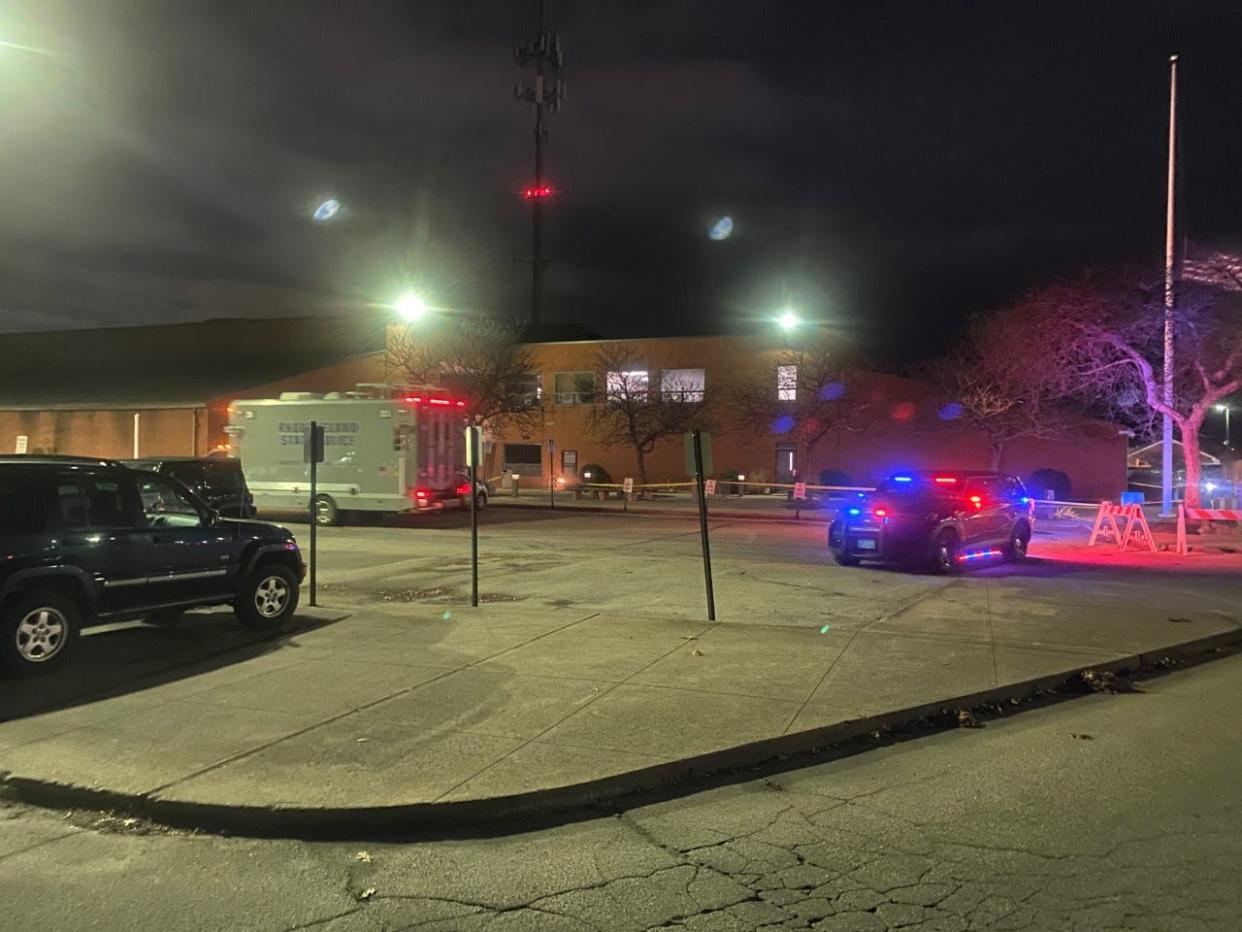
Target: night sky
x,y
889,167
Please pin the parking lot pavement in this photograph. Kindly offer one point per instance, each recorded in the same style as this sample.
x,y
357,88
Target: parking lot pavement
x,y
765,573
640,565
1108,812
591,661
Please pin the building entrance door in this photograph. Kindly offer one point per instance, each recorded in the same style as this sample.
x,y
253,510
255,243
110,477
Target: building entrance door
x,y
786,468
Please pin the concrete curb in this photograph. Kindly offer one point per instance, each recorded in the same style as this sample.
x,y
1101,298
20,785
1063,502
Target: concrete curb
x,y
672,513
593,799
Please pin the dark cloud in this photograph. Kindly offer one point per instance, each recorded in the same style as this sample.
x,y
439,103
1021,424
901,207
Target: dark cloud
x,y
891,165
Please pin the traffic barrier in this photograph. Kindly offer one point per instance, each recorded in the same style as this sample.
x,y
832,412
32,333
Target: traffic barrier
x,y
1200,514
1136,530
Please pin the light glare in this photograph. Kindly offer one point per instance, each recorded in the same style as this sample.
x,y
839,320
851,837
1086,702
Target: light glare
x,y
411,307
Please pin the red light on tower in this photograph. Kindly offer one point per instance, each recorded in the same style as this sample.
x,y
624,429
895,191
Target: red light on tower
x,y
537,192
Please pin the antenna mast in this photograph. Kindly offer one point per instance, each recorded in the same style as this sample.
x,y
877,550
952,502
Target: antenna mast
x,y
543,90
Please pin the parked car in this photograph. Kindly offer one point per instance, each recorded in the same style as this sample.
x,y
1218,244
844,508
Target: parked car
x,y
942,519
483,490
217,480
86,542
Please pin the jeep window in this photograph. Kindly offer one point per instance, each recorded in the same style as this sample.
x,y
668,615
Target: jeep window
x,y
189,473
107,504
72,498
21,506
223,477
165,505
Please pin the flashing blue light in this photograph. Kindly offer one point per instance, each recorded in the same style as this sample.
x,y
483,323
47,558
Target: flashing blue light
x,y
833,391
1024,500
783,424
855,511
980,555
903,479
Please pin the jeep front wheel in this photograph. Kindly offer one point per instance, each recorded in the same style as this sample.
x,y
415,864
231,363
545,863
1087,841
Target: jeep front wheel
x,y
38,632
268,598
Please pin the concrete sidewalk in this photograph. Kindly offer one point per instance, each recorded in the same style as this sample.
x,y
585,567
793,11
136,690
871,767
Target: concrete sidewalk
x,y
394,715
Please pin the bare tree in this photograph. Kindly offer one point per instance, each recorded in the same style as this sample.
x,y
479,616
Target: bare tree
x,y
998,386
1105,340
483,361
635,410
804,395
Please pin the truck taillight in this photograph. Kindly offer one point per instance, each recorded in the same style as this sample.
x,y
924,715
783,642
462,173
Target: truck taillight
x,y
422,494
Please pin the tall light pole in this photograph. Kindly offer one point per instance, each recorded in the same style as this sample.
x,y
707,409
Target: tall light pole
x,y
1170,263
1224,409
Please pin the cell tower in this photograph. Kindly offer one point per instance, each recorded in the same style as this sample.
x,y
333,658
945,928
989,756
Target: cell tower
x,y
543,91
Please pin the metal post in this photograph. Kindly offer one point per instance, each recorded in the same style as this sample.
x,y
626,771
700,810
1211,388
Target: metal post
x,y
314,479
1170,256
707,550
474,530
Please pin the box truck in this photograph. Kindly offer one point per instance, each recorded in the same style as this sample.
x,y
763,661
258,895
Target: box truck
x,y
387,455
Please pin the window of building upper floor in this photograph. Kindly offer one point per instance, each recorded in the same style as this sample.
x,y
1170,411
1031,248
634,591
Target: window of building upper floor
x,y
786,383
630,385
683,384
529,388
574,388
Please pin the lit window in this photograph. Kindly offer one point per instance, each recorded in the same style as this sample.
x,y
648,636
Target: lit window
x,y
627,386
682,384
786,383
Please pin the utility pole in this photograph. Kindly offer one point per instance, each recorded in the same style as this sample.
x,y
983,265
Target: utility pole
x,y
1170,297
544,92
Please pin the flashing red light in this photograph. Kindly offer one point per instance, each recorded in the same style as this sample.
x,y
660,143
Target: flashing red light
x,y
422,494
881,512
946,480
412,399
976,501
461,404
444,402
537,192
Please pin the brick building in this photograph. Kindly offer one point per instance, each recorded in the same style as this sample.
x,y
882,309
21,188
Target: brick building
x,y
152,391
903,432
165,390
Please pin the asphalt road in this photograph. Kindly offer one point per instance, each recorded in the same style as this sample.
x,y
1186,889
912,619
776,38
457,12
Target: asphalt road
x,y
1108,812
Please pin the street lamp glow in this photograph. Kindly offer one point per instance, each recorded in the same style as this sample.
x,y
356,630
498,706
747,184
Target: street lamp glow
x,y
788,320
326,211
411,307
1221,409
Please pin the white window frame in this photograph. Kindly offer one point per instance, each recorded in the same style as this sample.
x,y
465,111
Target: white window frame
x,y
686,385
786,383
625,385
575,396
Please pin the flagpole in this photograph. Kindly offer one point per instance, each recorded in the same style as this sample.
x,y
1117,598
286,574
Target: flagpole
x,y
1170,262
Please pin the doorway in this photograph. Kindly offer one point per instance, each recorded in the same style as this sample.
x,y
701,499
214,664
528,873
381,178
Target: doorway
x,y
786,465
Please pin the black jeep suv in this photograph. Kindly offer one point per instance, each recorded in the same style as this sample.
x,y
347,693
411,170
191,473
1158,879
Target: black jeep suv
x,y
86,542
944,519
217,480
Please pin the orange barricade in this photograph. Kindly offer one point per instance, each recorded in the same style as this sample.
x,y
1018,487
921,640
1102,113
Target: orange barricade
x,y
1201,514
1134,531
